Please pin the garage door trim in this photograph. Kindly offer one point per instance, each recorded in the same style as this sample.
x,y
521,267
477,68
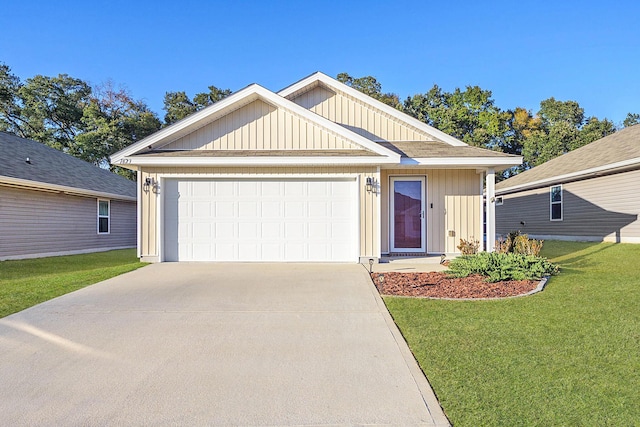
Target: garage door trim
x,y
354,179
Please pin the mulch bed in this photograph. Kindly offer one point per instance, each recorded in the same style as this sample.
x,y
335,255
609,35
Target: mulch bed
x,y
438,285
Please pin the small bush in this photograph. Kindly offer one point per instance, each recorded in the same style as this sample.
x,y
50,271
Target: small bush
x,y
469,247
519,244
497,267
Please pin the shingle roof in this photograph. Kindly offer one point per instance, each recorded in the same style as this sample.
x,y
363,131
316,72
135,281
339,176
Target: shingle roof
x,y
622,146
51,166
430,149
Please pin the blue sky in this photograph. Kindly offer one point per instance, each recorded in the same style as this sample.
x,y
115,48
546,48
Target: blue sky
x,y
524,52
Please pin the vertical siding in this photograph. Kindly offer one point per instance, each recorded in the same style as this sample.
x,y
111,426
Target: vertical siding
x,y
260,126
357,116
602,208
458,187
36,222
368,220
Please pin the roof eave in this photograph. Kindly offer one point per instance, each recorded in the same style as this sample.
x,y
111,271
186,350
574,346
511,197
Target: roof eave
x,y
38,185
484,162
259,161
587,173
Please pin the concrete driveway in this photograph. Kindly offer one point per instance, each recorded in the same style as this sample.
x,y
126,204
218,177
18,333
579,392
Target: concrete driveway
x,y
214,344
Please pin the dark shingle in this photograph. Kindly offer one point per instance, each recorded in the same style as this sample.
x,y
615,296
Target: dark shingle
x,y
623,145
52,166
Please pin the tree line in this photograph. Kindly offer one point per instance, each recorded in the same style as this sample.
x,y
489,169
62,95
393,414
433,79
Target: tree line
x,y
92,123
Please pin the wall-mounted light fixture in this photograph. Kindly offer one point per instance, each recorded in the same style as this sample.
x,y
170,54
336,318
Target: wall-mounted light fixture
x,y
369,184
148,182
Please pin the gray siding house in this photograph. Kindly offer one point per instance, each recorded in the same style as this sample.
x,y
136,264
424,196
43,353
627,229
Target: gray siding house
x,y
589,194
55,204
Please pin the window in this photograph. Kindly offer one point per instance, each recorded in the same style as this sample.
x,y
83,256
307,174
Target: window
x,y
555,196
499,201
103,216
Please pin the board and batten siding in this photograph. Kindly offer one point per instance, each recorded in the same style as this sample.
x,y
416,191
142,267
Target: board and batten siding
x,y
260,126
358,117
604,208
37,223
456,196
369,219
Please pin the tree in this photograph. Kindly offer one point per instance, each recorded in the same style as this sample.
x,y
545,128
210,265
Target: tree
x,y
52,109
112,120
10,111
178,105
562,128
468,115
370,86
631,119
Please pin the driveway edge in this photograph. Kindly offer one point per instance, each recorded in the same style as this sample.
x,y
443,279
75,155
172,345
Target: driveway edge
x,y
428,395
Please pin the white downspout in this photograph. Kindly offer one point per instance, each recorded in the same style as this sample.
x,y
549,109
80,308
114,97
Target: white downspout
x,y
491,210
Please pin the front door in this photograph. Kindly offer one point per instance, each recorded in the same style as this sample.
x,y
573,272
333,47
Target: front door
x,y
408,222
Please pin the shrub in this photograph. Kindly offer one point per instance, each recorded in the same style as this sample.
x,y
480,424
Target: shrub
x,y
519,244
502,266
469,247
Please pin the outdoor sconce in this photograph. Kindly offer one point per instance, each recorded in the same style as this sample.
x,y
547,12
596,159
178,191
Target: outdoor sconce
x,y
369,185
148,182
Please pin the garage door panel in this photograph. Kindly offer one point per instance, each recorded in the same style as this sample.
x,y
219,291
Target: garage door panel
x,y
260,220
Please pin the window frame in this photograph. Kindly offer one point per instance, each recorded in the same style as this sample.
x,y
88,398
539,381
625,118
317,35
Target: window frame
x,y
108,216
551,203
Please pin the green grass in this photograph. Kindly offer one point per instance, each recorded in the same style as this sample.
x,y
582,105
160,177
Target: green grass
x,y
25,283
568,356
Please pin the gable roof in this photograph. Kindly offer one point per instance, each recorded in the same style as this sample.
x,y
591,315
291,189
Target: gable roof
x,y
54,170
141,152
319,78
615,152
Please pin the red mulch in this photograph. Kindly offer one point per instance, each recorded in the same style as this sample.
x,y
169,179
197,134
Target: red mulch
x,y
438,285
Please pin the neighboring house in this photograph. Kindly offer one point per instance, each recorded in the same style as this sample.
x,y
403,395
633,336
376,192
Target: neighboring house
x,y
55,204
591,194
316,172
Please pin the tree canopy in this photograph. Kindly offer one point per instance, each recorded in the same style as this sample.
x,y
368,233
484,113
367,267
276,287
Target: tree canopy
x,y
94,122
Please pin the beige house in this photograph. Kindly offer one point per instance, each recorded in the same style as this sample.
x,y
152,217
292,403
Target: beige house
x,y
54,204
588,194
316,172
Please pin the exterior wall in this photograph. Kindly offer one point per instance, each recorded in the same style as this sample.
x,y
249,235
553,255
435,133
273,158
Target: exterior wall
x,y
150,200
456,212
361,118
37,223
602,208
260,126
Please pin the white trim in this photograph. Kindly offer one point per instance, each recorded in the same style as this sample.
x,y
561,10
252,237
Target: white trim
x,y
108,216
63,253
379,209
463,161
73,191
574,175
423,202
387,109
225,106
255,161
483,245
491,210
139,213
551,203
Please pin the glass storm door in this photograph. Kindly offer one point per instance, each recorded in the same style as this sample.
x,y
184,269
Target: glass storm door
x,y
408,223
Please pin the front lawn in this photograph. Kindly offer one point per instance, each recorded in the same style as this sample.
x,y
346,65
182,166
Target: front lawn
x,y
568,356
25,283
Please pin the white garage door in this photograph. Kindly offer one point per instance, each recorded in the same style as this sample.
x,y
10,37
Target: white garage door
x,y
260,220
